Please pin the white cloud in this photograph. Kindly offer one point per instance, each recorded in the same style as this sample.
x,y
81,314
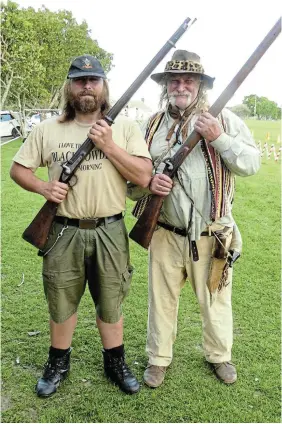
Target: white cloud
x,y
225,34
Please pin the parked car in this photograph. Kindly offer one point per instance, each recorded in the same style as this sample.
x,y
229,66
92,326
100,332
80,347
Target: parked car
x,y
34,119
9,125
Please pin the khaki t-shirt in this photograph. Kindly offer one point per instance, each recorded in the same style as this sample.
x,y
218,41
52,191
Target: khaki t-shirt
x,y
100,190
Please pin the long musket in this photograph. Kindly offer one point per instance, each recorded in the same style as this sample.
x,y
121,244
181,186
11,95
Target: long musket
x,y
37,232
144,228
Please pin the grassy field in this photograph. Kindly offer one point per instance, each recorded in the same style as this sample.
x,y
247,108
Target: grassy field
x,y
190,393
263,131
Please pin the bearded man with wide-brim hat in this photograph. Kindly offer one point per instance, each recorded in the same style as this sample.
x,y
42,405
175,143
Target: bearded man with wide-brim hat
x,y
196,238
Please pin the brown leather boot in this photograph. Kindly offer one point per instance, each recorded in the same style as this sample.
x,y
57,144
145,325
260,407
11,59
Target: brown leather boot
x,y
154,375
226,372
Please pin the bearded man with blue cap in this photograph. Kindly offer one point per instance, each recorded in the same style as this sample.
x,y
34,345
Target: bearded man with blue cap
x,y
88,241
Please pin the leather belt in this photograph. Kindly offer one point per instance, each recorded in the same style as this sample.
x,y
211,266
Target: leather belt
x,y
180,231
183,232
88,224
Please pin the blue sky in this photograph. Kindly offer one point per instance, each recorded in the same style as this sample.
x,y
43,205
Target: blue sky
x,y
225,34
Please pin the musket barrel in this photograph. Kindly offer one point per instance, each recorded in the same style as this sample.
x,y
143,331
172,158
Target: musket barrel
x,y
37,232
88,145
229,91
115,110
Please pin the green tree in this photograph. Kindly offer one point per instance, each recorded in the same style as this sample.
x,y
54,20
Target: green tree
x,y
262,107
241,110
36,50
251,102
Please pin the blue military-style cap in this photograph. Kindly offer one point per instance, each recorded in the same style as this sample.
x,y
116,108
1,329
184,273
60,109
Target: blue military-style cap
x,y
86,66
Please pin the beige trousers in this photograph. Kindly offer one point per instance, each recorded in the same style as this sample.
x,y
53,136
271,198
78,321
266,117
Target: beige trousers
x,y
169,266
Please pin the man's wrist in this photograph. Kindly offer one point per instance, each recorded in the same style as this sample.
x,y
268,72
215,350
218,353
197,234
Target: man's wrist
x,y
109,149
41,187
149,186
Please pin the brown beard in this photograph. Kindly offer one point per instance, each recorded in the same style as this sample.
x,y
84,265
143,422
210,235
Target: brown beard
x,y
70,104
86,101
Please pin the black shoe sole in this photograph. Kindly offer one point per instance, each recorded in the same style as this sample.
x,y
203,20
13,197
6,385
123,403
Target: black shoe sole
x,y
121,388
55,391
45,396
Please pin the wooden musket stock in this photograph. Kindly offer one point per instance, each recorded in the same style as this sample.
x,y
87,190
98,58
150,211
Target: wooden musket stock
x,y
144,228
37,232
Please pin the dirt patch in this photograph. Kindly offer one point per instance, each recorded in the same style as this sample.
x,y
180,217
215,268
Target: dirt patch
x,y
5,403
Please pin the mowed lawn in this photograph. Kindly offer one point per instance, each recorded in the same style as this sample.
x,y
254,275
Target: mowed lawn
x,y
191,393
265,131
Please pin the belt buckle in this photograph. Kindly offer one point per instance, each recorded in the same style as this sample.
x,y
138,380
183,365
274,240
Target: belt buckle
x,y
89,224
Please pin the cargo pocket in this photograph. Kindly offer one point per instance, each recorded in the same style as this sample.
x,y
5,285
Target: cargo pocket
x,y
48,279
126,281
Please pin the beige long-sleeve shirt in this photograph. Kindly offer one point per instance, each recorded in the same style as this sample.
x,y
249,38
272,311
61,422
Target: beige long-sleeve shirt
x,y
238,151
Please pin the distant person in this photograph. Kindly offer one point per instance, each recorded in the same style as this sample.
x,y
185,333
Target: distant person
x,y
196,237
88,240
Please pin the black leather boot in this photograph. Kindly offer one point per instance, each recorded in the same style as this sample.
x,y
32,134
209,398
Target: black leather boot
x,y
119,373
55,371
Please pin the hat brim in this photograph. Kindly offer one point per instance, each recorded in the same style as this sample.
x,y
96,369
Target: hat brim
x,y
86,74
159,77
